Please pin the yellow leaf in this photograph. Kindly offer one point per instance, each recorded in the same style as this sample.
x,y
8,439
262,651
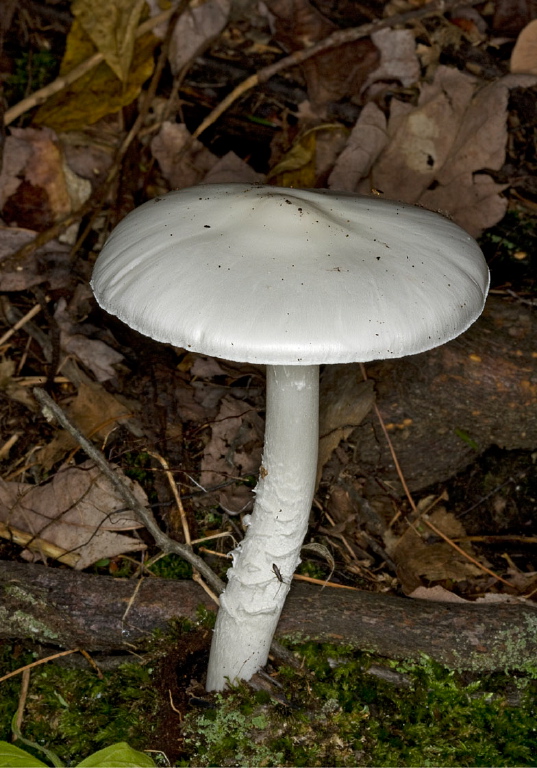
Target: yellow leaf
x,y
299,167
97,93
111,25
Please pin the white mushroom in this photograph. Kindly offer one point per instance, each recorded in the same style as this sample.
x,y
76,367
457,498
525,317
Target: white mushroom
x,y
289,278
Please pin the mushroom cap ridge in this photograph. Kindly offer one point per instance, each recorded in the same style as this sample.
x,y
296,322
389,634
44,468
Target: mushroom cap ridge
x,y
283,276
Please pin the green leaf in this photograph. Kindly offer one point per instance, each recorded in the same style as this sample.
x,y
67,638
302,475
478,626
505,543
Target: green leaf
x,y
13,757
117,756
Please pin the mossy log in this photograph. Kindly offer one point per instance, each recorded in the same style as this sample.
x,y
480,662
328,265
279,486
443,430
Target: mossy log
x,y
101,613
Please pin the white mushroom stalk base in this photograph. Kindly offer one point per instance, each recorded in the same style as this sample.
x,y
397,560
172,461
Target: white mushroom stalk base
x,y
264,562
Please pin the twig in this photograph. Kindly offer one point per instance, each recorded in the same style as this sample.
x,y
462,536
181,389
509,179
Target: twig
x,y
334,40
163,542
173,486
28,316
25,684
38,662
39,97
144,514
94,204
39,545
413,504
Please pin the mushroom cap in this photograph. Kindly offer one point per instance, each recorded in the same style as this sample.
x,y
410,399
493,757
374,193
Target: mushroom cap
x,y
283,276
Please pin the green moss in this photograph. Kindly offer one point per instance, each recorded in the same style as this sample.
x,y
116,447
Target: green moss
x,y
339,714
344,716
172,567
74,712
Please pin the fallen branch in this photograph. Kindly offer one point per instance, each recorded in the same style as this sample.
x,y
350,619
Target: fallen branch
x,y
72,609
144,514
341,37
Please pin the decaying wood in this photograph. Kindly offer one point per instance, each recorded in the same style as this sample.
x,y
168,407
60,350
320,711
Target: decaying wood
x,y
100,613
446,406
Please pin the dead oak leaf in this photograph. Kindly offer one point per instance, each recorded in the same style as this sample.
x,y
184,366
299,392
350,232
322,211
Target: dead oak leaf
x,y
423,556
334,74
437,151
78,510
49,263
94,411
189,169
233,450
97,356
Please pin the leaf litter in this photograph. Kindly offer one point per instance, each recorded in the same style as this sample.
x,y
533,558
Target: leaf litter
x,y
424,132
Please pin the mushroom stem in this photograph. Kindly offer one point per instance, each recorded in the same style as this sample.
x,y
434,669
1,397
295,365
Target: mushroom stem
x,y
264,562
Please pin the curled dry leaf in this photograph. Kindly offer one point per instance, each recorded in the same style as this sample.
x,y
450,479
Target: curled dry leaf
x,y
195,30
437,151
234,450
97,356
423,556
524,56
12,389
189,170
36,186
49,264
78,511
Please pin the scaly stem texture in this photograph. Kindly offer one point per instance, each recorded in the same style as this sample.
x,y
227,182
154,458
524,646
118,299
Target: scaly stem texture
x,y
251,604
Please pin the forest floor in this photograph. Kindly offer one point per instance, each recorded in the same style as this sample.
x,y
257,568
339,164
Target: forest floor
x,y
430,104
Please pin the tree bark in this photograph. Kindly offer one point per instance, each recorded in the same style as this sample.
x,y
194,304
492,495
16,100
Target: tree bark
x,y
100,613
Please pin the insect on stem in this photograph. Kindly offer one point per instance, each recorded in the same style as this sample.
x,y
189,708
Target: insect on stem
x,y
278,573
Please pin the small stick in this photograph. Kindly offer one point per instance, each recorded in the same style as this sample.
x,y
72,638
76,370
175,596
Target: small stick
x,y
164,542
39,661
22,701
28,316
173,486
8,445
340,37
39,97
36,544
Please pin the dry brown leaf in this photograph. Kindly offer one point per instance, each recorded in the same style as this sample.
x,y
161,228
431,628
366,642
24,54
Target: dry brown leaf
x,y
311,157
524,55
232,169
367,140
11,388
97,356
436,151
78,511
437,594
437,561
49,264
195,30
36,186
94,411
332,75
190,169
345,400
234,450
398,57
